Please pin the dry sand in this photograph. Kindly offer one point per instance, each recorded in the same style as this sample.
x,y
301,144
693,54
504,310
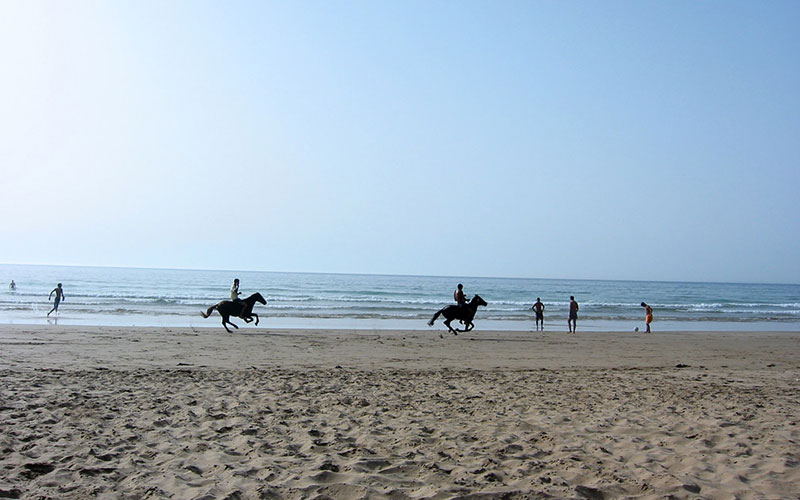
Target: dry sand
x,y
106,412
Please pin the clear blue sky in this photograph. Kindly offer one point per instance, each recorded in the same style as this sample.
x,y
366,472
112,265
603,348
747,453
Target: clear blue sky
x,y
619,140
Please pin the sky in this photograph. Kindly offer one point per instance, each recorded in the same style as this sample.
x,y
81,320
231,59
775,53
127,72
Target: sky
x,y
642,140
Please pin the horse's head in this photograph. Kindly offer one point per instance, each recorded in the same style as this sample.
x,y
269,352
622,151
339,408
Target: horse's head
x,y
259,298
478,300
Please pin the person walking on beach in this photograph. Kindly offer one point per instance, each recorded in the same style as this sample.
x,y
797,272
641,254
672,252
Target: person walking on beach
x,y
648,316
572,321
12,286
59,297
538,308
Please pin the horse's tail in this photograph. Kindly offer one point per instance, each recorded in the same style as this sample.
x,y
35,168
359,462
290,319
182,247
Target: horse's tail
x,y
430,323
210,310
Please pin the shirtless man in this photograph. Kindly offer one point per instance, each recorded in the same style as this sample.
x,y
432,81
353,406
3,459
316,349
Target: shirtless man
x,y
538,308
572,321
459,296
648,316
59,297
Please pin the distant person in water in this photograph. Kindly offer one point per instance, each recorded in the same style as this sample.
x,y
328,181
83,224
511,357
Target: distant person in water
x,y
648,316
538,308
235,291
12,286
572,321
59,297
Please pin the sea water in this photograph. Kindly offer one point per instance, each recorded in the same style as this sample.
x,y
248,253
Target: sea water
x,y
170,297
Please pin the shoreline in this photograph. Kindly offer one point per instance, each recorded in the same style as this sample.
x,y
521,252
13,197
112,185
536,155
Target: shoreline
x,y
392,324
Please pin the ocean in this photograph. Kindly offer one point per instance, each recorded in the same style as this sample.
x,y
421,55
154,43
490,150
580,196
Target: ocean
x,y
170,297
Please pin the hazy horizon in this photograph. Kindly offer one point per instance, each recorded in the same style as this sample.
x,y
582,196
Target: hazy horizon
x,y
268,271
642,141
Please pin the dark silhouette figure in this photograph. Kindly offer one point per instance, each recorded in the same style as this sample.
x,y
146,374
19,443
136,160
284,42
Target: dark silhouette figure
x,y
465,314
59,292
538,308
458,295
572,320
241,309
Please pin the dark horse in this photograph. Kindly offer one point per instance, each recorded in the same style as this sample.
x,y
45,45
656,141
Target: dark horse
x,y
465,314
242,309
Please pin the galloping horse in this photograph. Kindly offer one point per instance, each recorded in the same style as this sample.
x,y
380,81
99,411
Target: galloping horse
x,y
242,309
465,313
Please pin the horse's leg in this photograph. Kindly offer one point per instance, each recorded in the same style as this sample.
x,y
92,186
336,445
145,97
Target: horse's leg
x,y
469,327
244,313
430,323
256,315
447,324
225,320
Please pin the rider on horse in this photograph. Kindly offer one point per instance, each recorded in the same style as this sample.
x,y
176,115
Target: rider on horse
x,y
459,296
235,290
235,297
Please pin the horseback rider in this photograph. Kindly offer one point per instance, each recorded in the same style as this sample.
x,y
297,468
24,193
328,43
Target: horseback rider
x,y
462,311
459,296
235,298
235,294
235,291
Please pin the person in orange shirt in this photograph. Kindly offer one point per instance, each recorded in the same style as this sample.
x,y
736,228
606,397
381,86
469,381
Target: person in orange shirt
x,y
648,316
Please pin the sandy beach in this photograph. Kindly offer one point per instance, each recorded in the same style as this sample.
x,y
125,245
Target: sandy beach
x,y
115,412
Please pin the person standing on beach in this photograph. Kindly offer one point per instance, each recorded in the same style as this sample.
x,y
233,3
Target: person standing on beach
x,y
59,297
538,308
572,321
648,316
